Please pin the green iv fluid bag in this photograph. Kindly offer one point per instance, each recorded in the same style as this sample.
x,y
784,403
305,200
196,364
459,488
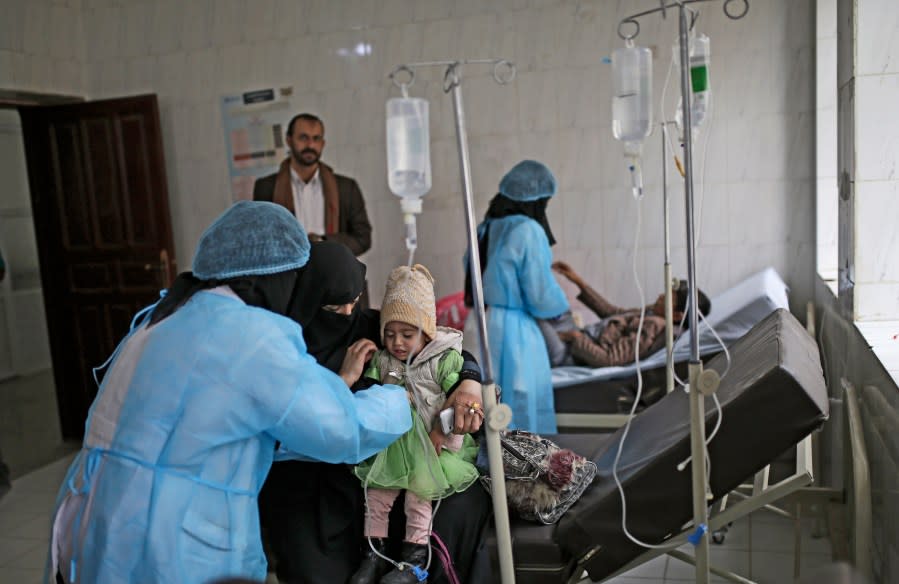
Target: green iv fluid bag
x,y
699,81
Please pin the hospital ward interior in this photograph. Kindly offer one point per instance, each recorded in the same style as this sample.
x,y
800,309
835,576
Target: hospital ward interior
x,y
564,291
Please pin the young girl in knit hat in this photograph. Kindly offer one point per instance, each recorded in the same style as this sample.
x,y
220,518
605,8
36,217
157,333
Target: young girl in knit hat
x,y
425,462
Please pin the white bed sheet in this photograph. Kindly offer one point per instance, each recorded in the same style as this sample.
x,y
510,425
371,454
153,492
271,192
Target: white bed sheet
x,y
733,313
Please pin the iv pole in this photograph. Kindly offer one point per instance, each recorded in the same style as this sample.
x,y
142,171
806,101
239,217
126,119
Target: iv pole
x,y
700,383
669,310
496,416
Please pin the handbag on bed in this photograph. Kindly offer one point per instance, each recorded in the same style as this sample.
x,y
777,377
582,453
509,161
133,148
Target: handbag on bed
x,y
542,479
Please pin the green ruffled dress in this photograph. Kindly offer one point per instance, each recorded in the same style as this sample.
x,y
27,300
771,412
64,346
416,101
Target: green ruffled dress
x,y
411,462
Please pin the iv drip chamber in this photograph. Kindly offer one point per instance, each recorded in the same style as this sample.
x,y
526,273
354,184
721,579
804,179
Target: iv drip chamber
x,y
408,149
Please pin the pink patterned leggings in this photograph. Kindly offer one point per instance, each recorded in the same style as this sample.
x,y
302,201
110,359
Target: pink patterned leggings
x,y
418,515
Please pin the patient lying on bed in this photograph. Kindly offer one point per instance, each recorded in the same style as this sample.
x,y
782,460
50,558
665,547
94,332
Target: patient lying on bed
x,y
610,341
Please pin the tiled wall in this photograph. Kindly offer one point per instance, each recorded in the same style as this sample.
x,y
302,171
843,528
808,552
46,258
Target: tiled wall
x,y
756,206
826,137
42,46
876,83
845,354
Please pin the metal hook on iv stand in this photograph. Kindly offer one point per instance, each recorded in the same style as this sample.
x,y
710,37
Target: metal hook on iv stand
x,y
496,416
696,381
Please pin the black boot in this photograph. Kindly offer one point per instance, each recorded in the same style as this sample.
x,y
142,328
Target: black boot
x,y
373,566
415,554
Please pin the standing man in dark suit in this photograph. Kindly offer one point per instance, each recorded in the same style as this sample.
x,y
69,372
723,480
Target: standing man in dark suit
x,y
330,206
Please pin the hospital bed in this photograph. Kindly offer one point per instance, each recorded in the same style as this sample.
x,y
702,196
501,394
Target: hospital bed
x,y
772,397
590,399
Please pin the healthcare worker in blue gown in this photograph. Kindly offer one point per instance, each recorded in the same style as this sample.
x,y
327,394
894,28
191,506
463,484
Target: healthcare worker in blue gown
x,y
183,431
519,287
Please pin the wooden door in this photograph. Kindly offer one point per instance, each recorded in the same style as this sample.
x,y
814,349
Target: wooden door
x,y
101,212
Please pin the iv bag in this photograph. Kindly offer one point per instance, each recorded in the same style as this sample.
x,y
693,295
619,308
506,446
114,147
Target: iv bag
x,y
632,98
408,147
699,82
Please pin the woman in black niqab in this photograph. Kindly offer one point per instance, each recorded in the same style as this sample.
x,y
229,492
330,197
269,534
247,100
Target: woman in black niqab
x,y
312,511
333,278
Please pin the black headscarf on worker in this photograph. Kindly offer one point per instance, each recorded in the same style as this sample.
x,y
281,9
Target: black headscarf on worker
x,y
256,248
332,277
525,190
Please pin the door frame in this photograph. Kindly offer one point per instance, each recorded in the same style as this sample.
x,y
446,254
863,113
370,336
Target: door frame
x,y
73,424
12,99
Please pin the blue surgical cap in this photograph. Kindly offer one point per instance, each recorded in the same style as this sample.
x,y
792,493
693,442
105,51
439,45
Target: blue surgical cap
x,y
528,180
252,238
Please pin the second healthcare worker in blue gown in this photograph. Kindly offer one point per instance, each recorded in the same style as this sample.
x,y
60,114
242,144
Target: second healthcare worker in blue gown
x,y
519,287
183,431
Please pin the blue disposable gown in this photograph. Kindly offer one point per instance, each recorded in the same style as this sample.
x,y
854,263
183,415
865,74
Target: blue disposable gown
x,y
181,436
518,288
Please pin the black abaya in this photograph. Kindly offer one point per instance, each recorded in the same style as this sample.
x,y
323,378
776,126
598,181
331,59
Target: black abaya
x,y
314,512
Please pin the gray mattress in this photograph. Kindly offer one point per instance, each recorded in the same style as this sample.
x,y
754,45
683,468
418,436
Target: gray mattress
x,y
773,396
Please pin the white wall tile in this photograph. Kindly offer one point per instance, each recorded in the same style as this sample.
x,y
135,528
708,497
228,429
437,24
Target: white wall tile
x,y
480,38
66,76
290,19
878,37
792,23
135,28
826,73
167,27
259,20
233,68
6,69
201,81
61,19
826,143
442,43
431,10
826,18
538,101
258,58
877,129
12,26
588,43
583,96
326,16
876,301
37,18
793,82
769,143
41,69
227,22
199,20
876,210
761,27
464,8
546,33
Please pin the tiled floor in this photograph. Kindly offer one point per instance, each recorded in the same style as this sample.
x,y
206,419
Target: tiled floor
x,y
25,520
29,423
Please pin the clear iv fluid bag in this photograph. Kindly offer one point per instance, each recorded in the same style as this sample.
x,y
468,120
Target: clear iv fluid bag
x,y
701,93
408,147
632,98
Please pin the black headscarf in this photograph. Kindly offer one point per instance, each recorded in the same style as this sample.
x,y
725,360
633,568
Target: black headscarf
x,y
502,206
272,292
332,276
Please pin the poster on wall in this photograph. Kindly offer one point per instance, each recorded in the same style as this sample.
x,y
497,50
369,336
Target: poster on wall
x,y
254,123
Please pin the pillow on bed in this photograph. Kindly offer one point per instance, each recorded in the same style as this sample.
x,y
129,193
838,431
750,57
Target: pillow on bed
x,y
542,480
